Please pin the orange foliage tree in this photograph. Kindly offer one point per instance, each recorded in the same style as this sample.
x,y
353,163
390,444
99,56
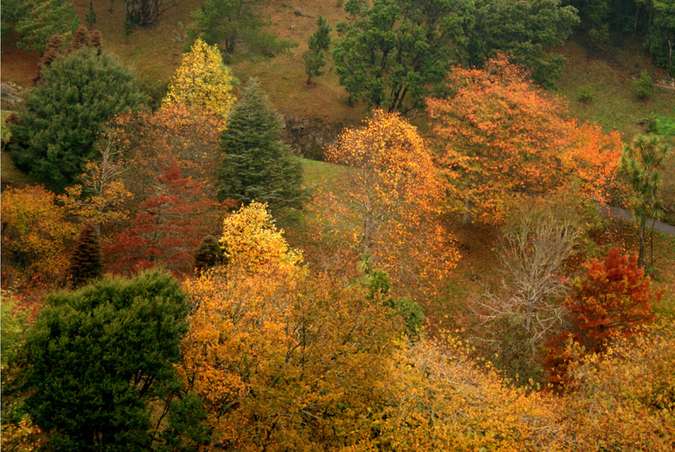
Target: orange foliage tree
x,y
503,137
35,238
612,300
390,204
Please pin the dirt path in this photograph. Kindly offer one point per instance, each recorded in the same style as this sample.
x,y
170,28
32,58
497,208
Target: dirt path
x,y
623,214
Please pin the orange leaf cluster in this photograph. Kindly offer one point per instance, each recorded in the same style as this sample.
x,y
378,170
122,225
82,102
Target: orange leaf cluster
x,y
503,137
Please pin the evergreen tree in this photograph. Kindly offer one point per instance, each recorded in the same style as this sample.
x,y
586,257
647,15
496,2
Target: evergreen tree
x,y
63,115
209,254
315,57
41,19
100,360
641,164
257,164
85,263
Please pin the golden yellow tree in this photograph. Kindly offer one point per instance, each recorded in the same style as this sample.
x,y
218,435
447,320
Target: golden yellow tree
x,y
252,242
202,81
389,207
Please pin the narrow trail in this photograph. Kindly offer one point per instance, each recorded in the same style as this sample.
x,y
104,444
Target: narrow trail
x,y
623,214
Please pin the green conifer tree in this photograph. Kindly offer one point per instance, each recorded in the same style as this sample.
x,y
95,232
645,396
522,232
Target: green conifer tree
x,y
85,263
315,57
209,254
257,164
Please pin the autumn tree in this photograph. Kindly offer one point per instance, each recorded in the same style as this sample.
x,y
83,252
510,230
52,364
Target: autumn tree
x,y
502,138
390,204
100,363
642,164
611,300
168,225
202,81
315,56
35,238
53,148
257,165
85,263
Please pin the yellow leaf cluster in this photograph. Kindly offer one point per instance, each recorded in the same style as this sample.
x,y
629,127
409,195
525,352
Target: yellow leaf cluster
x,y
252,241
202,82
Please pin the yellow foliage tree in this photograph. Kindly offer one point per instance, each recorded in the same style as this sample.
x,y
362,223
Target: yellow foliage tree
x,y
252,242
202,81
389,208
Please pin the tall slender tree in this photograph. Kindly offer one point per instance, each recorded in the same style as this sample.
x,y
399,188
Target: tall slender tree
x,y
315,57
85,264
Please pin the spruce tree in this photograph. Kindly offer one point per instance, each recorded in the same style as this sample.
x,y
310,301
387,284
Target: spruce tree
x,y
315,57
257,164
85,263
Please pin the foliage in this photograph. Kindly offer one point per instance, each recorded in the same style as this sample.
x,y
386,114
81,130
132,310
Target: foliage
x,y
64,114
524,30
167,226
35,238
644,86
14,323
661,34
99,357
101,197
38,20
391,53
641,164
624,398
202,82
613,299
284,360
85,264
319,42
391,200
257,165
251,241
226,22
209,255
142,12
504,138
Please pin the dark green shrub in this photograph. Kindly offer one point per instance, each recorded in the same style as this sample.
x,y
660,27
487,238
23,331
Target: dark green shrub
x,y
644,86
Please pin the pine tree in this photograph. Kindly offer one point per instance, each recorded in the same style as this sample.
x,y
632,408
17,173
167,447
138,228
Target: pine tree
x,y
315,57
209,254
257,164
42,19
85,264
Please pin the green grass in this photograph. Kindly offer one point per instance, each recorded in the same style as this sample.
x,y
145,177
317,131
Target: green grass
x,y
610,83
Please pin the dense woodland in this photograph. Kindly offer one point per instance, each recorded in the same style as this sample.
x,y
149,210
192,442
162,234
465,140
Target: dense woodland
x,y
322,225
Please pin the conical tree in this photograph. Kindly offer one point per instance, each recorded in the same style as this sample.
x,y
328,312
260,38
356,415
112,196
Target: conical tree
x,y
257,164
85,264
209,254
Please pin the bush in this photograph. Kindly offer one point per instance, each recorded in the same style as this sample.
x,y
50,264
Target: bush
x,y
644,86
585,95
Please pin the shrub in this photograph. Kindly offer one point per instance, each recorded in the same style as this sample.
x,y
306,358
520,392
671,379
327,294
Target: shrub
x,y
585,95
643,86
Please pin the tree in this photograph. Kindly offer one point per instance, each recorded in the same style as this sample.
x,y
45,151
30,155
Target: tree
x,y
315,56
661,36
613,299
168,225
392,53
35,238
41,19
209,255
524,30
641,164
85,264
504,138
257,165
391,201
64,115
100,362
226,21
142,12
202,82
251,241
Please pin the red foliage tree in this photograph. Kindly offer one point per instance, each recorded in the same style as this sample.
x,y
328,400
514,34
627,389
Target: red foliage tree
x,y
613,299
168,226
